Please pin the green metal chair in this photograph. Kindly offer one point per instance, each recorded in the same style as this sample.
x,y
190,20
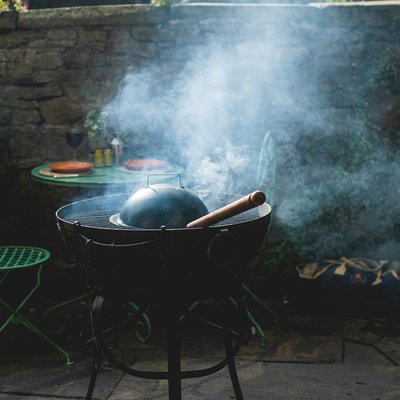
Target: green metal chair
x,y
13,258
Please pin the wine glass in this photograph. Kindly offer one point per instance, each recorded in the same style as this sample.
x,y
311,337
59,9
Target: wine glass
x,y
74,139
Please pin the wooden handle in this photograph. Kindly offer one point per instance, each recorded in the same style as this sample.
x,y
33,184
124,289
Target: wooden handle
x,y
245,203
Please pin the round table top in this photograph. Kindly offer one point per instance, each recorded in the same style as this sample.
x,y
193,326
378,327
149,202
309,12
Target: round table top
x,y
102,177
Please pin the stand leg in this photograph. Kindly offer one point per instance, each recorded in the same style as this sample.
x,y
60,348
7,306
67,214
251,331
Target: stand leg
x,y
229,352
95,369
94,314
174,356
231,364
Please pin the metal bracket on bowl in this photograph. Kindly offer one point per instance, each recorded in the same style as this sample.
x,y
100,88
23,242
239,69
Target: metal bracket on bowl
x,y
221,249
165,173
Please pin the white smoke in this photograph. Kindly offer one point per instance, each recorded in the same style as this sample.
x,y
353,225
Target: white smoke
x,y
212,116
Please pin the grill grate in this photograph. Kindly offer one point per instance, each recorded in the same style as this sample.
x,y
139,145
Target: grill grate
x,y
102,219
94,219
96,213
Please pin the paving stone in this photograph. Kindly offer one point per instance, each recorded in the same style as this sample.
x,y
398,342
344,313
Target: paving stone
x,y
328,382
294,347
361,354
390,346
59,380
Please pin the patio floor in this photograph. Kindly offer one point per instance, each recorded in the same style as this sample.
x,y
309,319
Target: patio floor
x,y
303,358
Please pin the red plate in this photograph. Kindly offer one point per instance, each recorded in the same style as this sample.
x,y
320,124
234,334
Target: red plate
x,y
144,163
71,167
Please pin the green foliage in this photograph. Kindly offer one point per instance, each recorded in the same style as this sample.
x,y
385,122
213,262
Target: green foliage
x,y
385,73
280,257
161,3
8,5
346,150
96,122
348,207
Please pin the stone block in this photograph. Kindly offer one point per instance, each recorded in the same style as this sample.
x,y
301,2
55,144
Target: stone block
x,y
119,34
20,73
47,60
38,44
119,61
19,38
60,111
90,91
104,73
176,36
60,75
136,48
11,92
24,145
25,117
76,57
8,20
97,47
62,34
41,92
92,35
81,57
16,104
146,33
5,117
3,72
11,55
60,45
4,156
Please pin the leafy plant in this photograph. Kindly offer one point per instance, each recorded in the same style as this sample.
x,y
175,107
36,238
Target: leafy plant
x,y
160,3
8,5
96,122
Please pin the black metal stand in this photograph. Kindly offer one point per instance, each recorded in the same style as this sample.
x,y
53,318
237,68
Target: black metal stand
x,y
174,374
174,355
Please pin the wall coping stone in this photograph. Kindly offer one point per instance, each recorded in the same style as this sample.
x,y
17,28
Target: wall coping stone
x,y
147,14
295,5
92,16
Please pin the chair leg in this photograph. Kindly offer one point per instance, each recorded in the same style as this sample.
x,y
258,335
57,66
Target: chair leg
x,y
15,313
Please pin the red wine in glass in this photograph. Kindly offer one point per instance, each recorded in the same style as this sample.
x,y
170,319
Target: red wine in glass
x,y
74,140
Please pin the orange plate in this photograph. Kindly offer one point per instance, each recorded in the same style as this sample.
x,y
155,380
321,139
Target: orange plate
x,y
144,163
71,167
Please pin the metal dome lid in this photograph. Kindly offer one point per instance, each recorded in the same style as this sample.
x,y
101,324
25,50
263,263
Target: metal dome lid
x,y
162,205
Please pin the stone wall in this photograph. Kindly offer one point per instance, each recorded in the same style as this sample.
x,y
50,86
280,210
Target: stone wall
x,y
322,78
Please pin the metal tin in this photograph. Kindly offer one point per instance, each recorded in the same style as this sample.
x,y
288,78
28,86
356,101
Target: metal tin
x,y
98,158
108,159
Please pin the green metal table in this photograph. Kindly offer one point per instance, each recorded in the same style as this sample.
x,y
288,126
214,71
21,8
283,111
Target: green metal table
x,y
13,258
103,177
